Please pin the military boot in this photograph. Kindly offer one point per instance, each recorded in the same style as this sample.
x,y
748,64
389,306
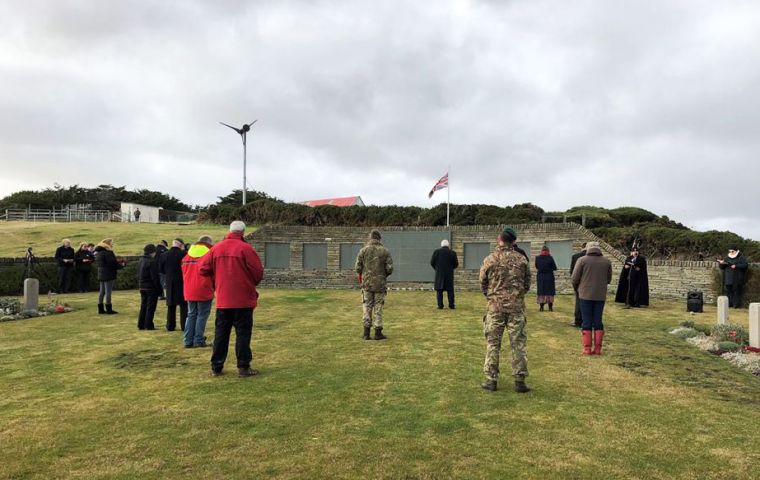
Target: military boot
x,y
366,333
489,385
520,386
379,334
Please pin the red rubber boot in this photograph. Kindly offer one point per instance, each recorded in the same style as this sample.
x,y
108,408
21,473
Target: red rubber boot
x,y
586,337
598,337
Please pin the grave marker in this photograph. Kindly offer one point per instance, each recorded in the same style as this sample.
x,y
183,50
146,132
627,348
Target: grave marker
x,y
722,310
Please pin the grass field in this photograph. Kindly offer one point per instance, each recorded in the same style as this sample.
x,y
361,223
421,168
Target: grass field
x,y
87,396
129,238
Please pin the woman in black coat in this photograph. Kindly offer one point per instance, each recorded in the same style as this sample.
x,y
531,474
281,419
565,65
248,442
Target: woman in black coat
x,y
444,261
149,284
170,265
83,261
108,266
545,288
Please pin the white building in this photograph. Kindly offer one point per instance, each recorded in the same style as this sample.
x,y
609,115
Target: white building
x,y
147,214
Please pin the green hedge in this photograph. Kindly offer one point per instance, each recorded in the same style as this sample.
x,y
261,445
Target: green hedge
x,y
12,277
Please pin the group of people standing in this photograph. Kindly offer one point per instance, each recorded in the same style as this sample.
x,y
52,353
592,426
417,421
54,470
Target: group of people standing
x,y
81,263
193,276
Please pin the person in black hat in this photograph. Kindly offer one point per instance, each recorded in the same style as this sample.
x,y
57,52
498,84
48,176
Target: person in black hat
x,y
633,286
734,268
150,287
171,266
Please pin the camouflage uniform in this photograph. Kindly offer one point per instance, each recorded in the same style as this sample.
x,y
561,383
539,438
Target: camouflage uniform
x,y
374,264
504,279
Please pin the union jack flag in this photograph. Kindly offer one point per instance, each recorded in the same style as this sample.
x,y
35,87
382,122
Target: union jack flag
x,y
440,185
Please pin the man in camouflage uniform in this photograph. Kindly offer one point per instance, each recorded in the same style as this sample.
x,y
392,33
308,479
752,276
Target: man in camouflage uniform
x,y
373,264
504,279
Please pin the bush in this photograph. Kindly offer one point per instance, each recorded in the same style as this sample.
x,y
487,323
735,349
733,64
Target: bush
x,y
9,306
730,333
723,347
685,333
687,323
706,329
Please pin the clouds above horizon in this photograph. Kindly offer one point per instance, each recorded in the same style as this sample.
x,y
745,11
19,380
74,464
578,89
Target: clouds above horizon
x,y
555,103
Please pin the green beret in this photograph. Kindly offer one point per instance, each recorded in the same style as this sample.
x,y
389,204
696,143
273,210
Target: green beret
x,y
509,231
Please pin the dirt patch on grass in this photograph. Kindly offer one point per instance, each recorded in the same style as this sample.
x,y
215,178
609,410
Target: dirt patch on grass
x,y
147,359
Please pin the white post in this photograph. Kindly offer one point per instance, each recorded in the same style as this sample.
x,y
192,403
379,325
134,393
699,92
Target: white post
x,y
722,310
754,325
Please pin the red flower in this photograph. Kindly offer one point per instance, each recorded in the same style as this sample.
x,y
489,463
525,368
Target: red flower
x,y
60,309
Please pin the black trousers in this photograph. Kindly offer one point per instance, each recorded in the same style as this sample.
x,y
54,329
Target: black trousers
x,y
148,302
171,316
734,293
578,316
64,279
83,280
242,320
449,294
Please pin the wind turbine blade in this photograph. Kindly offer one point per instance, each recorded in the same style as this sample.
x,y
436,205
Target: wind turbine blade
x,y
230,126
251,124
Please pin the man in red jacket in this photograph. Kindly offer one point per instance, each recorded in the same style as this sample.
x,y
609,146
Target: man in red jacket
x,y
236,269
198,292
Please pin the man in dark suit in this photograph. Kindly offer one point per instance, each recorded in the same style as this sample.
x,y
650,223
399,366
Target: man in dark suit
x,y
444,261
574,258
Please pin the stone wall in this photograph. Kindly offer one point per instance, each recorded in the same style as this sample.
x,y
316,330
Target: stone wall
x,y
666,279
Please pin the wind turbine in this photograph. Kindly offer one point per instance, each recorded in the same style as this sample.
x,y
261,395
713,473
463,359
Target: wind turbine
x,y
242,131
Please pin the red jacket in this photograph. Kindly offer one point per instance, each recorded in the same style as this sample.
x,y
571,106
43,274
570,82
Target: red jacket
x,y
236,269
197,288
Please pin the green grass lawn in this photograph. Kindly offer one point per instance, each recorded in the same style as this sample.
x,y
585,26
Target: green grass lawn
x,y
129,238
88,396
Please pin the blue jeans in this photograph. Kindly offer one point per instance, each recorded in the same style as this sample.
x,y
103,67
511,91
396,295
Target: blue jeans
x,y
195,326
591,312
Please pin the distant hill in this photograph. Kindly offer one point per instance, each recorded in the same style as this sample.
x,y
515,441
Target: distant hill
x,y
102,197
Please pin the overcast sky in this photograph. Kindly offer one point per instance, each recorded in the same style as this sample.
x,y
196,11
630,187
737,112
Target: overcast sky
x,y
653,104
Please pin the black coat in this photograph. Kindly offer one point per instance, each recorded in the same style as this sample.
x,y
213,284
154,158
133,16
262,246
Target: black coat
x,y
83,261
734,276
107,265
574,259
545,267
147,275
170,265
64,253
633,286
444,261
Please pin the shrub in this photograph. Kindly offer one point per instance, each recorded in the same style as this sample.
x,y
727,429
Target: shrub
x,y
706,329
12,277
9,306
730,332
727,346
685,333
687,323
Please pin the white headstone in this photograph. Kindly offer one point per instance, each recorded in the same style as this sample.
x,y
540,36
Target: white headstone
x,y
722,310
754,325
31,294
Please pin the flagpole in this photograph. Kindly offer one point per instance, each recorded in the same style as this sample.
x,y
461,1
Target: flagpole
x,y
448,196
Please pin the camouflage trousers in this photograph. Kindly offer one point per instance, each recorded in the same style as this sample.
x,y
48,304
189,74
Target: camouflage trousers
x,y
372,306
494,325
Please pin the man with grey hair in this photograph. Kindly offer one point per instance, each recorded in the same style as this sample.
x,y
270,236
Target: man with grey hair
x,y
373,264
444,261
64,256
235,268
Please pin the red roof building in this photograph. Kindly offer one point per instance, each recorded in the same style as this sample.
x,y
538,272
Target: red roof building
x,y
338,202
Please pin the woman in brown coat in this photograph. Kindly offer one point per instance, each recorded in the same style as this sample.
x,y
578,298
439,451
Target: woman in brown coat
x,y
591,275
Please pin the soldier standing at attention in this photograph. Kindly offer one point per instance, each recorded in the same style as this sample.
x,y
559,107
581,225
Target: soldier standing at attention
x,y
373,264
504,279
